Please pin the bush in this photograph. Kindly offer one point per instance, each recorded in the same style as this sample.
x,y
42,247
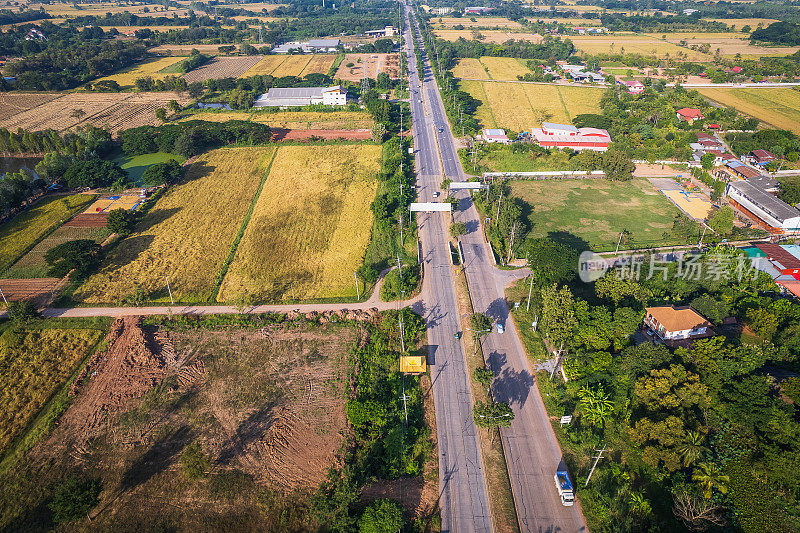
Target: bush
x,y
22,311
93,173
382,516
81,255
161,173
74,498
195,463
121,221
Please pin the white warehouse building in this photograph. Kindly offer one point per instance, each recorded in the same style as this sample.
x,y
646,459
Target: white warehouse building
x,y
773,214
302,96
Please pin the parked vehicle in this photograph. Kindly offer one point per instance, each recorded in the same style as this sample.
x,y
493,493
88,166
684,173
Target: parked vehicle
x,y
500,328
564,486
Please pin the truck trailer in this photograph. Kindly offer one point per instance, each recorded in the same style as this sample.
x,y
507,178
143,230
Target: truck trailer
x,y
564,486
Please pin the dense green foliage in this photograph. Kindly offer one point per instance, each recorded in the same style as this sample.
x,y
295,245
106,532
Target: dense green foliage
x,y
74,498
92,173
785,33
194,61
82,256
121,221
192,137
16,187
162,173
700,436
83,141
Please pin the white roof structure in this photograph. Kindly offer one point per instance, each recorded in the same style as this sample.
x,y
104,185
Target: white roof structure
x,y
430,207
295,96
565,128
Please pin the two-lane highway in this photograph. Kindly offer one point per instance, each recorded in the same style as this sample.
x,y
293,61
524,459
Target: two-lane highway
x,y
532,451
463,500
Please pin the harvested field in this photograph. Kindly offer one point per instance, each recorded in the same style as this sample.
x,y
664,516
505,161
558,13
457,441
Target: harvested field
x,y
34,363
222,67
319,64
149,68
33,265
21,232
369,65
99,9
489,36
118,111
730,44
38,290
87,220
470,68
14,103
740,23
314,222
316,120
777,107
186,49
635,44
218,116
520,106
504,68
186,235
264,407
483,22
598,210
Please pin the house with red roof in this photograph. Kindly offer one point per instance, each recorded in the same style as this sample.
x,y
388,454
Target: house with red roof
x,y
688,114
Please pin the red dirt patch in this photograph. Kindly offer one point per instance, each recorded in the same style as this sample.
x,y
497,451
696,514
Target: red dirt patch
x,y
280,134
37,289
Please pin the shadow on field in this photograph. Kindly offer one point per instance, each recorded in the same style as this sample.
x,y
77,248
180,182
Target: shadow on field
x,y
157,459
154,217
196,171
129,250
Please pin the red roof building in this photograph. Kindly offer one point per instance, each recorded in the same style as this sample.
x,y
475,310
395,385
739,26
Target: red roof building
x,y
552,135
688,114
785,262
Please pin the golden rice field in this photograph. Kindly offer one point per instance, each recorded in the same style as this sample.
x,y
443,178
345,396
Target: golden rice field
x,y
777,107
740,23
470,68
33,365
520,106
127,77
316,120
292,65
188,233
266,66
504,68
310,226
483,22
729,44
21,232
634,44
489,36
319,64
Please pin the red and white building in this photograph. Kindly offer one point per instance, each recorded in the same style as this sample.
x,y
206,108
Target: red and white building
x,y
688,114
491,135
567,136
633,87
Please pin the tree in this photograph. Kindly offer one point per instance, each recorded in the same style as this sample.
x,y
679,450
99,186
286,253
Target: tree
x,y
695,512
617,165
22,311
558,314
161,114
92,173
381,516
74,498
710,478
484,376
121,221
196,89
457,229
480,325
616,288
161,173
595,405
174,106
692,448
721,221
80,256
551,261
195,463
707,161
495,415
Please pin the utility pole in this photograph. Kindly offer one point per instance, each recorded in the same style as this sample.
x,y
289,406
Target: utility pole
x,y
168,289
700,244
619,242
596,460
558,360
358,293
530,291
4,297
404,397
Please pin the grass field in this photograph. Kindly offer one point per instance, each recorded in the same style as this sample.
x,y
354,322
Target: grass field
x,y
33,365
151,67
22,231
470,68
33,265
504,68
316,120
729,44
310,226
777,107
136,165
482,22
187,234
520,106
489,36
598,210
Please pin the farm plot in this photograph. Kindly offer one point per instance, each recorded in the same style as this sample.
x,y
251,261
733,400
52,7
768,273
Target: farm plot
x,y
22,231
504,68
470,68
38,290
738,24
115,110
186,49
222,67
319,64
729,44
777,107
483,22
150,68
32,366
635,44
520,106
14,103
369,65
33,265
292,66
187,235
489,36
267,65
598,210
310,227
315,120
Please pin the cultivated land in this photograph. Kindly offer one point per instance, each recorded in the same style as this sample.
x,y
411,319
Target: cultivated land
x,y
33,265
294,120
740,23
186,235
598,210
369,65
729,44
777,107
504,68
135,166
292,65
520,106
489,36
222,67
34,363
310,227
100,9
635,44
118,111
482,22
150,68
186,49
14,103
263,407
22,231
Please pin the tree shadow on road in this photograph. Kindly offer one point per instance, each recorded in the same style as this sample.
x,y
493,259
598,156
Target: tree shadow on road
x,y
512,386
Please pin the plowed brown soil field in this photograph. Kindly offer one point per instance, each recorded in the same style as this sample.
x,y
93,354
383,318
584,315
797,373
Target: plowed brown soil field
x,y
222,67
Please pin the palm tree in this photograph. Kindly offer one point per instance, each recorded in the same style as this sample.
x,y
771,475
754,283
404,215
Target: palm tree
x,y
639,504
595,405
692,448
709,476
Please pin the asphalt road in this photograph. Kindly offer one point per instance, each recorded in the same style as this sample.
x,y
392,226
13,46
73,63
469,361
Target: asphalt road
x,y
532,451
464,501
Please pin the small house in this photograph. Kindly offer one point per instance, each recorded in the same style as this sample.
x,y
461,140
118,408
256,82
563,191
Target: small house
x,y
495,135
761,157
688,114
677,324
